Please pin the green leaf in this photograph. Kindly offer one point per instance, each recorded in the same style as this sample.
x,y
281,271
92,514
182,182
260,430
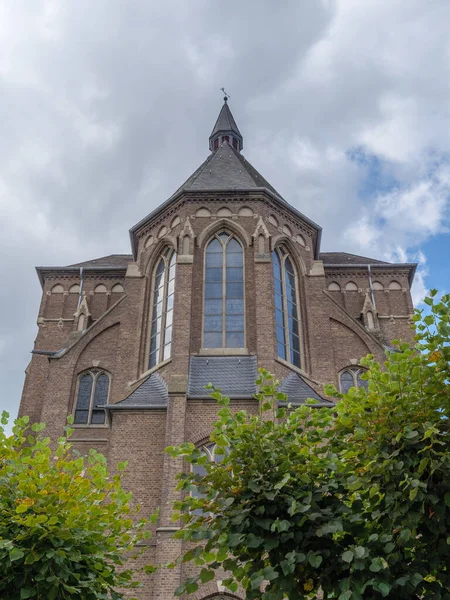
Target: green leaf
x,y
348,556
206,575
256,581
315,560
16,554
27,592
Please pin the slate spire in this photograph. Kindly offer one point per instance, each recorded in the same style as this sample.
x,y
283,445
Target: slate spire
x,y
225,130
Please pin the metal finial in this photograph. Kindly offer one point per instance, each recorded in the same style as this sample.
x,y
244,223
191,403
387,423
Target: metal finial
x,y
226,96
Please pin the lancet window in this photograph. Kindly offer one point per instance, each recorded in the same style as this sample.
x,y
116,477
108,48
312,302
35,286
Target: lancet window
x,y
161,318
351,377
224,293
287,313
92,393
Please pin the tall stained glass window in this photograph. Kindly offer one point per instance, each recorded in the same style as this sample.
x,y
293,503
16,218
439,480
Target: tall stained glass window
x,y
162,308
92,393
286,307
224,293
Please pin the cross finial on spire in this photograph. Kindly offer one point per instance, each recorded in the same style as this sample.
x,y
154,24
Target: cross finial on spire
x,y
226,96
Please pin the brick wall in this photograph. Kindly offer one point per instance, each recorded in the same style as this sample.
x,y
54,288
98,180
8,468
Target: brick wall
x,y
333,336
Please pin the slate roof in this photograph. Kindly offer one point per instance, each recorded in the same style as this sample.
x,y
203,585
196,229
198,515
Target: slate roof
x,y
225,121
113,260
298,391
226,169
233,375
152,393
344,258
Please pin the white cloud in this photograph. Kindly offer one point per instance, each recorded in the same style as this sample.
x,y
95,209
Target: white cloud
x,y
106,108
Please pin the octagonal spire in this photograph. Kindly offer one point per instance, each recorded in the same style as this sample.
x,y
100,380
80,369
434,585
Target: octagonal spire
x,y
225,130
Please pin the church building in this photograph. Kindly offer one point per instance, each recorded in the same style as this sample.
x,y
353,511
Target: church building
x,y
223,277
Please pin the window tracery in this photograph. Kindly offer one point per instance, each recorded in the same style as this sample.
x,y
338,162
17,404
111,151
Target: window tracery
x,y
224,293
287,314
351,377
161,318
92,393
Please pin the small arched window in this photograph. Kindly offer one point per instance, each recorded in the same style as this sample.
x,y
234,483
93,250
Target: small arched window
x,y
287,314
224,293
394,285
162,308
351,377
214,455
92,393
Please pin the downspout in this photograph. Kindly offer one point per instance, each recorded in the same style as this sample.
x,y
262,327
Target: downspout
x,y
371,287
80,297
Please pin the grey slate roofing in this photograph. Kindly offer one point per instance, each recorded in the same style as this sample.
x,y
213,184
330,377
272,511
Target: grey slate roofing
x,y
233,375
152,393
343,258
225,121
113,260
298,391
226,169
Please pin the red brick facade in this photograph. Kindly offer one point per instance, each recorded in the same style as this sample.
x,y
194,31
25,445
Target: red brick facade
x,y
113,334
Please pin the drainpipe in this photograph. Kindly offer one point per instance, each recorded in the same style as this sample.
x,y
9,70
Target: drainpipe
x,y
80,297
371,287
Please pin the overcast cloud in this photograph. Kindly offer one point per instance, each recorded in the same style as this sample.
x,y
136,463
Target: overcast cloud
x,y
106,107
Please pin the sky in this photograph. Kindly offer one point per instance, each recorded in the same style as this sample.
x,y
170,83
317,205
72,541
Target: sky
x,y
106,108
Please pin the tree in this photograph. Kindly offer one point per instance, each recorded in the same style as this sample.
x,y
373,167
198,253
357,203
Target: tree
x,y
354,501
66,526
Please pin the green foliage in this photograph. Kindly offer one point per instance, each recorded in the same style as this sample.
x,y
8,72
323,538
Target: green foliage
x,y
66,526
355,501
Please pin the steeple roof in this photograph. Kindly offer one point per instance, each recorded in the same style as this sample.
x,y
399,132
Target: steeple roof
x,y
223,170
225,121
224,128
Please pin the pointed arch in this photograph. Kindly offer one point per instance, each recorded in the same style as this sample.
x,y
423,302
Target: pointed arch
x,y
284,240
91,395
351,377
161,307
224,223
287,306
223,298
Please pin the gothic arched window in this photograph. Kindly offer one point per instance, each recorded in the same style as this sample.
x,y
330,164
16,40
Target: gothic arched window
x,y
287,314
92,393
214,455
224,293
162,308
351,377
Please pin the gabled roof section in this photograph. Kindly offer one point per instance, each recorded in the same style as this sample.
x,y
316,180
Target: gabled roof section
x,y
298,392
112,260
342,258
233,375
152,393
